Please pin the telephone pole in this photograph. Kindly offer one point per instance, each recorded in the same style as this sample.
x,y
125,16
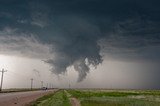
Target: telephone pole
x,y
2,78
31,83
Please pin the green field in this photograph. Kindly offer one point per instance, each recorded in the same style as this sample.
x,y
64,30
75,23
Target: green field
x,y
117,97
102,98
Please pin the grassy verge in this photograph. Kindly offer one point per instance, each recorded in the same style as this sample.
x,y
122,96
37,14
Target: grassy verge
x,y
56,99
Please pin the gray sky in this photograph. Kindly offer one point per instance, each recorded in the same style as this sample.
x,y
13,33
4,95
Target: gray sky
x,y
88,43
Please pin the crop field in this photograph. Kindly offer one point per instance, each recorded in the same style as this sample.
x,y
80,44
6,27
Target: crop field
x,y
103,98
117,97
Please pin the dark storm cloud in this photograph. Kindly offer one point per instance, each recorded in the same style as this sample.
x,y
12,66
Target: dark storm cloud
x,y
81,31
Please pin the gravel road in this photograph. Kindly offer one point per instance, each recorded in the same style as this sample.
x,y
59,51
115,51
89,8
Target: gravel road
x,y
21,98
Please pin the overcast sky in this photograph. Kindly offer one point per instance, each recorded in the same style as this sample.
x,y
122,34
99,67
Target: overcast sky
x,y
85,43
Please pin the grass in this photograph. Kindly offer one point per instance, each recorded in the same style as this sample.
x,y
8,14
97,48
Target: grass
x,y
56,99
117,97
116,101
102,98
88,93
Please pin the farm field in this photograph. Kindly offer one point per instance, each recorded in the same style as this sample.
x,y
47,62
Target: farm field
x,y
103,98
117,97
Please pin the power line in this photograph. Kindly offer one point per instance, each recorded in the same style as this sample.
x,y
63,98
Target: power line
x,y
13,75
22,76
2,78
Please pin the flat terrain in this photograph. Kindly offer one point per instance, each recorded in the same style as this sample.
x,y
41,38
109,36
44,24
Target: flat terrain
x,y
21,98
116,97
81,97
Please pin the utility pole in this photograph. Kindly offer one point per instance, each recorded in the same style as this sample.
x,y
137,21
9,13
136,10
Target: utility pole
x,y
41,84
31,83
2,78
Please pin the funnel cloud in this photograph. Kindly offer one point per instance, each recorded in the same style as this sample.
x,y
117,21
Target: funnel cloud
x,y
80,33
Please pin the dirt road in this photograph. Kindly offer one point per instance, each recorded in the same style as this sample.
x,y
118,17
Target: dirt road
x,y
74,102
21,98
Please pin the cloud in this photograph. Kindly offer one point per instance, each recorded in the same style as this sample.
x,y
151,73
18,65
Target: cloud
x,y
22,44
132,39
39,14
6,14
37,72
79,33
22,21
77,43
